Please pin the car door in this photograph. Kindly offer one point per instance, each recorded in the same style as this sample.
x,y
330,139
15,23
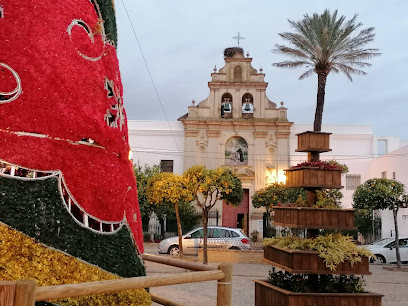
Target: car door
x,y
389,252
192,242
403,244
219,238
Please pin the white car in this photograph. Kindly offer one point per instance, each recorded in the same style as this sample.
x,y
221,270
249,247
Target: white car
x,y
218,237
384,250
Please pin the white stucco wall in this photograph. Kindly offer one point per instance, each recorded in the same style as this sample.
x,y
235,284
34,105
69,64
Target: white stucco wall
x,y
153,141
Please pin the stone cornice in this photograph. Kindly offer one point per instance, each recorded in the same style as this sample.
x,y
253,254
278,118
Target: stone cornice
x,y
258,85
238,59
282,135
260,134
190,133
213,133
241,124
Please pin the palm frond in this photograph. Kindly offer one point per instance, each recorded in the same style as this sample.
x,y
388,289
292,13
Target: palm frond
x,y
296,53
291,64
348,71
306,74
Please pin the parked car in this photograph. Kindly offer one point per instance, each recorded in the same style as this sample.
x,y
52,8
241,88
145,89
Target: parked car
x,y
218,237
384,250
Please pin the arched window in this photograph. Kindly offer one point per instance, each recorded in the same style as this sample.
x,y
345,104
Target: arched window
x,y
236,151
237,74
247,106
226,105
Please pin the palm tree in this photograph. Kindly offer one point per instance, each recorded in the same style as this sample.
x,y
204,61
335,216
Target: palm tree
x,y
323,44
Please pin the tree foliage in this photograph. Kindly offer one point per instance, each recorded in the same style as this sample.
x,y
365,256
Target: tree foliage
x,y
325,43
378,193
275,194
143,174
209,185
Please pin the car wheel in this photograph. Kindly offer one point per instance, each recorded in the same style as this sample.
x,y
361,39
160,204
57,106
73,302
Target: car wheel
x,y
234,248
174,250
379,259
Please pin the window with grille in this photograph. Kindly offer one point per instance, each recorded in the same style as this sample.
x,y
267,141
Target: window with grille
x,y
352,181
166,165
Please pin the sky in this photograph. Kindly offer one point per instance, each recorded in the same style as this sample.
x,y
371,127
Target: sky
x,y
182,40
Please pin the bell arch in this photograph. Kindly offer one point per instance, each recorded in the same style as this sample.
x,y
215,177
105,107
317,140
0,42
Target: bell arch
x,y
226,105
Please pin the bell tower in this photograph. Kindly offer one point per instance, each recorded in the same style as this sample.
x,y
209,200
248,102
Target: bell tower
x,y
237,126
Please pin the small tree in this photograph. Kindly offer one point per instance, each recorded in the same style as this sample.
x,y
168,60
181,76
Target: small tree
x,y
209,186
382,194
166,188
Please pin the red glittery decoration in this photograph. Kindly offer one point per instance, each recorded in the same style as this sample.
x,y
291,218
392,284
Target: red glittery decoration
x,y
64,97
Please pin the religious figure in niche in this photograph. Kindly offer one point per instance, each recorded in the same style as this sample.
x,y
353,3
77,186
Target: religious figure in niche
x,y
236,152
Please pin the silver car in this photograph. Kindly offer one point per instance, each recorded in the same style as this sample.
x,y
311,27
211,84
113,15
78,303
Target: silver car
x,y
384,250
218,237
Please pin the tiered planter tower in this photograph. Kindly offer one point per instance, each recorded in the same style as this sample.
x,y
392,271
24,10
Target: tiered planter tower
x,y
312,219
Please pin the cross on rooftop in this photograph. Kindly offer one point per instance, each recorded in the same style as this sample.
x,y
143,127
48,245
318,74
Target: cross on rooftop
x,y
238,37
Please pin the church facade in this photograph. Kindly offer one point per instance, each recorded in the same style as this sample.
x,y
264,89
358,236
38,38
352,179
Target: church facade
x,y
238,127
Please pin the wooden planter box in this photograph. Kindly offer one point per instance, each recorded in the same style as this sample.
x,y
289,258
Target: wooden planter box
x,y
316,218
304,177
267,294
313,142
298,261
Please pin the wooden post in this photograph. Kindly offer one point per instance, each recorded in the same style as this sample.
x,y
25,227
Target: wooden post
x,y
25,293
7,292
224,288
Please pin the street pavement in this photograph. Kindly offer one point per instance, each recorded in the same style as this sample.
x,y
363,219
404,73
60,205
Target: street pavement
x,y
394,285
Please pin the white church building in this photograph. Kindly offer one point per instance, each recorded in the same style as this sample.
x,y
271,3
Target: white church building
x,y
238,127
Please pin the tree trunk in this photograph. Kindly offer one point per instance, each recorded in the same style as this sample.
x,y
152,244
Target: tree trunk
x,y
395,213
321,89
180,233
205,227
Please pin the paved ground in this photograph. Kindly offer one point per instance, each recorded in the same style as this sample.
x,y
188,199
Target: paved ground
x,y
394,285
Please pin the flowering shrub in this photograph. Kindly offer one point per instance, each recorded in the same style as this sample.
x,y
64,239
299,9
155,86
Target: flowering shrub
x,y
324,165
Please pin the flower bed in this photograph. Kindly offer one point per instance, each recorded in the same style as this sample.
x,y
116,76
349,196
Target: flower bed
x,y
311,177
313,141
334,249
267,294
299,261
316,218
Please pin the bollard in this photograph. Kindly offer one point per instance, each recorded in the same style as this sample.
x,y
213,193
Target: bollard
x,y
7,292
224,286
25,293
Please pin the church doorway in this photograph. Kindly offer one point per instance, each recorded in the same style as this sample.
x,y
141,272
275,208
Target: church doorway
x,y
237,217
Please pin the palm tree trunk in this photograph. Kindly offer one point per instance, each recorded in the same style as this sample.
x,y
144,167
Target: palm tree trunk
x,y
321,90
180,233
205,227
395,213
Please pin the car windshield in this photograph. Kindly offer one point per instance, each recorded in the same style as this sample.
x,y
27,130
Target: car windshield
x,y
382,241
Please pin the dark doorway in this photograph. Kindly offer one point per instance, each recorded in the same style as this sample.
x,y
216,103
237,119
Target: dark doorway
x,y
237,217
